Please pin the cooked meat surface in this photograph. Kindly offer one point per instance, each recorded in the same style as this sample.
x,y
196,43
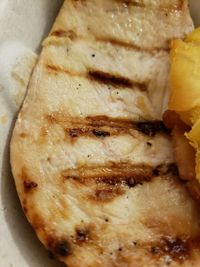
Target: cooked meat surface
x,y
92,160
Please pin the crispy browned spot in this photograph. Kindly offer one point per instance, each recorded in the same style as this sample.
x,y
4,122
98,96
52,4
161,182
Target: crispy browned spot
x,y
131,2
23,135
53,68
76,132
36,220
82,235
44,132
164,169
100,133
61,33
115,80
180,5
59,247
151,128
107,194
29,185
177,249
52,118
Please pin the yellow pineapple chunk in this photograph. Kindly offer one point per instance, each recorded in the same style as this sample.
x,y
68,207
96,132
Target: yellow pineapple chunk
x,y
185,87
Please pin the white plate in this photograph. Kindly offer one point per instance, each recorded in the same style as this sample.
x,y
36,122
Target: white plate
x,y
28,21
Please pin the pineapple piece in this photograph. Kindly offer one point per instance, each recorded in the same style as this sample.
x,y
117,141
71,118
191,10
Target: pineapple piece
x,y
185,74
185,87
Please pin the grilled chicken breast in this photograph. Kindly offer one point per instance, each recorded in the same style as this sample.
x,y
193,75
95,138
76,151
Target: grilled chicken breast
x,y
92,160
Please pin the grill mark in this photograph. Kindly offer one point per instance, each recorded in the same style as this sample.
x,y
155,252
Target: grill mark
x,y
116,80
113,41
105,126
76,132
61,33
142,4
57,70
117,174
100,133
168,8
90,121
101,77
151,128
132,3
116,42
97,132
97,121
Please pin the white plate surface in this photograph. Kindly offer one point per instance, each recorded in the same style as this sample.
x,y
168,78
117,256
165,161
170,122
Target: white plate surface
x,y
27,21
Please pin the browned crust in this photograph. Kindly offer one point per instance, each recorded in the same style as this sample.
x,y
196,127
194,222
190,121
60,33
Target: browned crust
x,y
28,183
179,249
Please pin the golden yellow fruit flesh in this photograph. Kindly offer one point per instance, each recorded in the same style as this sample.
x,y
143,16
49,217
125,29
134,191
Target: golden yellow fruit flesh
x,y
185,87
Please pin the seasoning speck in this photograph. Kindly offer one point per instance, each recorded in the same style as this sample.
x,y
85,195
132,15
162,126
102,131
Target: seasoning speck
x,y
149,143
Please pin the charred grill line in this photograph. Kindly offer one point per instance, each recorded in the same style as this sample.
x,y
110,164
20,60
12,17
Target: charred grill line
x,y
115,42
101,77
100,133
100,121
138,3
102,126
132,3
115,80
152,128
76,132
118,174
58,69
61,33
